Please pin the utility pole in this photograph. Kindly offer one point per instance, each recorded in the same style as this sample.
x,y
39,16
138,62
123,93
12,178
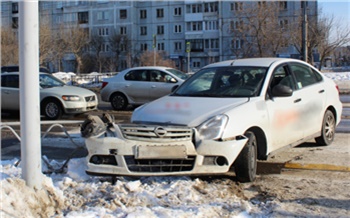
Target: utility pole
x,y
305,33
154,48
188,50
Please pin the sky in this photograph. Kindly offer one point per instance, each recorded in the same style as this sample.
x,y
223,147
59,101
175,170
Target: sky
x,y
340,9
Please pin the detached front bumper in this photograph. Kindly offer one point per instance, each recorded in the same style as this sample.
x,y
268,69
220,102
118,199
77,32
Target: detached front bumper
x,y
142,151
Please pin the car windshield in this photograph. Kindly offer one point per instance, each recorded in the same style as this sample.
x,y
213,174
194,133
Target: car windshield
x,y
49,81
178,73
230,81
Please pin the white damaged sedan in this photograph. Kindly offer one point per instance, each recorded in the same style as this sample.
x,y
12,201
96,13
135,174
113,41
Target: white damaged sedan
x,y
224,118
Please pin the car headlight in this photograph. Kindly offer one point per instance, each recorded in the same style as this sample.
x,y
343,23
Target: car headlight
x,y
70,97
213,128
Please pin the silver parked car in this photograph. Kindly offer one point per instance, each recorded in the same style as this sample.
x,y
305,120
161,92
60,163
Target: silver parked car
x,y
56,98
139,85
224,118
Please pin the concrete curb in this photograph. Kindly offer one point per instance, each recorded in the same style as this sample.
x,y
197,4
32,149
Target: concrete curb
x,y
326,167
277,167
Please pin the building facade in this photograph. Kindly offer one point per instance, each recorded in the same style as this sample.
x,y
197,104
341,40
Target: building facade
x,y
192,33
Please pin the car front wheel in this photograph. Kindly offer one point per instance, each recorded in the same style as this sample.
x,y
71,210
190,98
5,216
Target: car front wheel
x,y
118,101
328,129
246,163
52,109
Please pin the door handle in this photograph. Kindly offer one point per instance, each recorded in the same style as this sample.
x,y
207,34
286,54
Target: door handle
x,y
321,91
153,86
297,100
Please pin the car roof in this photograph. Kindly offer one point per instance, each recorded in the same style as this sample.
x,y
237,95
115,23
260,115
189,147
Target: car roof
x,y
258,62
16,73
150,67
15,68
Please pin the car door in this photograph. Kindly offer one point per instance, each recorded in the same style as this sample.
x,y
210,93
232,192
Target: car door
x,y
136,86
161,84
284,112
10,92
312,98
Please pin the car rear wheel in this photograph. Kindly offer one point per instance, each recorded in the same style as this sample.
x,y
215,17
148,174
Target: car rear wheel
x,y
52,109
246,163
118,101
328,129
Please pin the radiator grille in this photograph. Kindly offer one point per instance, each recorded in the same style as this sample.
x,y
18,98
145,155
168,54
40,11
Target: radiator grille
x,y
160,165
156,133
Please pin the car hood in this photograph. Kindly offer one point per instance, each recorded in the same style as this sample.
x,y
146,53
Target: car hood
x,y
68,90
188,111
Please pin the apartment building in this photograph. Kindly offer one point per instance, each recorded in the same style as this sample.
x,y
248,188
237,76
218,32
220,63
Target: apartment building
x,y
192,33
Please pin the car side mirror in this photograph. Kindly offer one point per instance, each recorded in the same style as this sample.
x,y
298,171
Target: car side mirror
x,y
281,91
172,80
174,88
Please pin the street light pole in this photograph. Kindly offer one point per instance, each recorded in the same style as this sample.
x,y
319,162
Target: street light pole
x,y
305,33
29,93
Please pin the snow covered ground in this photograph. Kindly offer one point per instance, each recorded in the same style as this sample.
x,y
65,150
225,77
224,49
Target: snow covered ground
x,y
75,194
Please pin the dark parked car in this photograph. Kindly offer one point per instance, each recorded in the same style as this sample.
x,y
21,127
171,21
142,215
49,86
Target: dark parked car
x,y
9,69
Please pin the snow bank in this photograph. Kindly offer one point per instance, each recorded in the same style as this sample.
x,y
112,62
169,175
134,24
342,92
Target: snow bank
x,y
75,194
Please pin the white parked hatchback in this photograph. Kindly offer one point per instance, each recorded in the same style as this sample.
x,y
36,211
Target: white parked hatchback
x,y
223,118
139,85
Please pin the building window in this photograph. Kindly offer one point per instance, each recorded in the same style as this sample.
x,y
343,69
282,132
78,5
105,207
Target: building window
x,y
123,14
211,7
15,22
194,26
122,30
211,43
160,30
143,14
211,25
15,8
160,12
160,46
237,6
284,24
236,43
178,29
195,8
102,15
105,47
262,4
302,3
143,47
123,47
143,30
196,64
236,25
178,46
196,45
178,11
103,31
283,5
83,17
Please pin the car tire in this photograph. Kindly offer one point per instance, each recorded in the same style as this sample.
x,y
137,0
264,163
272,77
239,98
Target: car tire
x,y
328,129
52,109
118,101
246,163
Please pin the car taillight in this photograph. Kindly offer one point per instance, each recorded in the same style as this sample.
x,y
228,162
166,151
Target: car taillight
x,y
337,87
104,84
